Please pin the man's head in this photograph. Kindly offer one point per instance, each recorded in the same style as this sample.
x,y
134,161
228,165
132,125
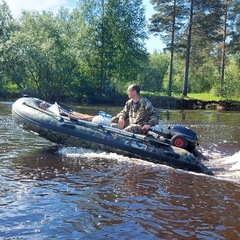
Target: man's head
x,y
133,91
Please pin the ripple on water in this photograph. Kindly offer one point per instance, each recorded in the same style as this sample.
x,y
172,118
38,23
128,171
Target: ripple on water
x,y
69,193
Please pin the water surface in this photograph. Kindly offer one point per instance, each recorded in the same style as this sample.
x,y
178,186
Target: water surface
x,y
49,192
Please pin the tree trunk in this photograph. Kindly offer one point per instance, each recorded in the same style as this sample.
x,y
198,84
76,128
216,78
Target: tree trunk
x,y
223,47
172,48
185,82
102,50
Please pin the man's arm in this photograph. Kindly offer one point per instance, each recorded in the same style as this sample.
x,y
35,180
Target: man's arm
x,y
153,117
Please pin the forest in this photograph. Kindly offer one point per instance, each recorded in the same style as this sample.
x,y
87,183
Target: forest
x,y
95,50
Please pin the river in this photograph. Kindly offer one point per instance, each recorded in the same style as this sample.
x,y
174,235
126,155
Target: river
x,y
51,192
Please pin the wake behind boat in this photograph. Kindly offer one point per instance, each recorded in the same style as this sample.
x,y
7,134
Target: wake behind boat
x,y
60,124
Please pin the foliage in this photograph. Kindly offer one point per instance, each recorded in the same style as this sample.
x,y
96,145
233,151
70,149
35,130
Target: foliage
x,y
152,78
167,23
95,50
115,35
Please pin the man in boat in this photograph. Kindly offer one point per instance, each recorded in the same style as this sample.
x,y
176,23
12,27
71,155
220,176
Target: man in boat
x,y
138,114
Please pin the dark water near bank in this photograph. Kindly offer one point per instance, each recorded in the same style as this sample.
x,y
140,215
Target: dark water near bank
x,y
47,192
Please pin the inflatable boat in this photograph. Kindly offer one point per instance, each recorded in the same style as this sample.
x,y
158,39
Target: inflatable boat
x,y
60,124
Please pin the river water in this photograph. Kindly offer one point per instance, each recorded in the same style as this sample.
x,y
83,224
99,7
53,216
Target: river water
x,y
50,192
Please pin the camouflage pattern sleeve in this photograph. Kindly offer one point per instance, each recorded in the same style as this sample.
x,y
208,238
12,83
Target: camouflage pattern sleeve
x,y
151,113
154,117
126,110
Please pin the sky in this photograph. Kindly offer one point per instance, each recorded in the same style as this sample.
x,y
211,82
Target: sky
x,y
16,7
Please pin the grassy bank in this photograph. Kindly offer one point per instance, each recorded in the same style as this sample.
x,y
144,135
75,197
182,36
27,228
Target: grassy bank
x,y
210,97
194,101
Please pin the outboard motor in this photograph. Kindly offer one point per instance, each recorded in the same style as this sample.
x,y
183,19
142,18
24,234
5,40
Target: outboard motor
x,y
183,137
178,136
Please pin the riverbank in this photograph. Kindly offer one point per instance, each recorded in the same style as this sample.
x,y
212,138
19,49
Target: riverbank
x,y
187,103
163,102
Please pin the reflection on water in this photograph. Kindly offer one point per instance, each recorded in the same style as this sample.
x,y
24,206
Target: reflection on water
x,y
48,192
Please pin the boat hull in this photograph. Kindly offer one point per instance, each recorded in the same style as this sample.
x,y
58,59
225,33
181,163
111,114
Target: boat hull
x,y
78,133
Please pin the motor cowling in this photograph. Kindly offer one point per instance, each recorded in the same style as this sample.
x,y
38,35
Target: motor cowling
x,y
179,136
183,137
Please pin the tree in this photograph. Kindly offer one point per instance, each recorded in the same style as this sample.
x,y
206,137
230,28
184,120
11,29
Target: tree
x,y
167,23
231,12
40,52
202,31
231,84
234,28
6,22
189,36
156,69
115,31
7,27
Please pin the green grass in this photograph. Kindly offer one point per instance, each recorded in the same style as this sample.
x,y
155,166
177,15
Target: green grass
x,y
198,96
209,97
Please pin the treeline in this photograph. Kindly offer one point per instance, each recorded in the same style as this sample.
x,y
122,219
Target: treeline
x,y
95,50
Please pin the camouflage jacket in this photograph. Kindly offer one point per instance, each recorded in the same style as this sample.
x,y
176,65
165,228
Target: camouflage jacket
x,y
141,113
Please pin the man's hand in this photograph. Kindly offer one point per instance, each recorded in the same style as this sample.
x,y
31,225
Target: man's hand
x,y
146,127
121,122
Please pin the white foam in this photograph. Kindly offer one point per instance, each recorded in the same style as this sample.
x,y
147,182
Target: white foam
x,y
72,152
230,168
227,168
235,159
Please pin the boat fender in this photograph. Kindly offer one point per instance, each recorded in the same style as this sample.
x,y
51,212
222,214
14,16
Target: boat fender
x,y
102,118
